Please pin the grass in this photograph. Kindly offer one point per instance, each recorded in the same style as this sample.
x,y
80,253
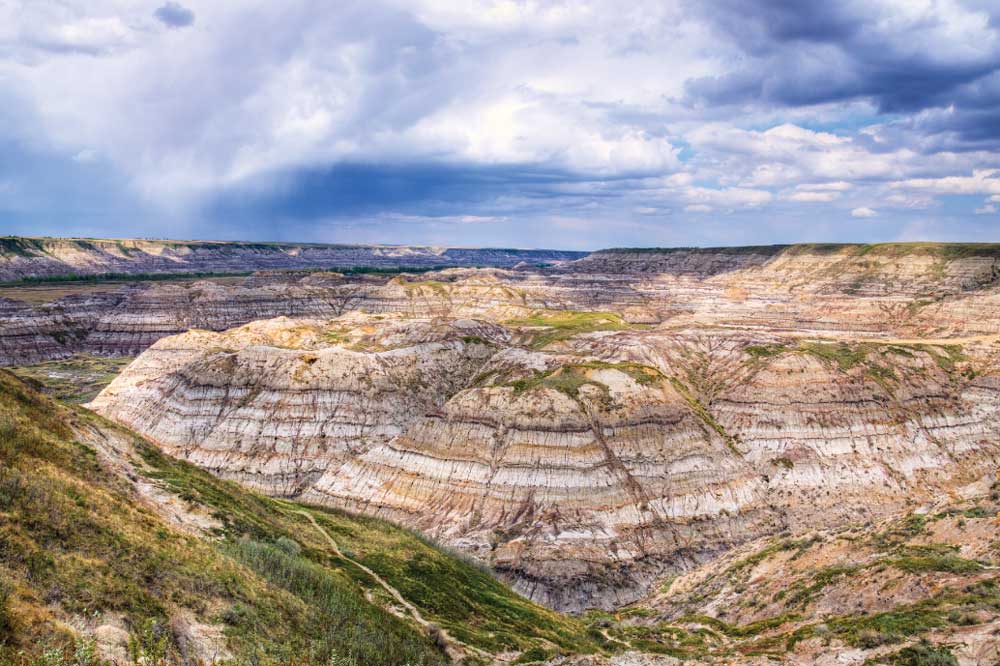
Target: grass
x,y
74,540
868,631
765,351
417,287
751,561
921,654
456,594
76,379
558,325
741,631
704,415
844,355
917,560
464,599
950,607
820,580
570,378
875,359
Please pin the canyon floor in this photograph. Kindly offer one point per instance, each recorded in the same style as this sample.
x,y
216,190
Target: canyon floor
x,y
737,455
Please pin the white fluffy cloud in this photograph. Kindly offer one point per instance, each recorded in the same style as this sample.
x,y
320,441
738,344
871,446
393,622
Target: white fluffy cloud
x,y
863,211
982,181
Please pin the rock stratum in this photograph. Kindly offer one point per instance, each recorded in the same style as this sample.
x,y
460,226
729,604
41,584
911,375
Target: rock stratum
x,y
115,552
907,290
23,257
589,430
734,455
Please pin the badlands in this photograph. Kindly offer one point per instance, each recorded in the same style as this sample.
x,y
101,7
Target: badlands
x,y
701,451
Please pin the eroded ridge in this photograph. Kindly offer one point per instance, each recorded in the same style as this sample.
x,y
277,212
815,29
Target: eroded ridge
x,y
581,456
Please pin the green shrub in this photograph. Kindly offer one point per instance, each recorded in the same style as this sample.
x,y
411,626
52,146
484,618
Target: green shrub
x,y
921,654
946,563
149,643
6,622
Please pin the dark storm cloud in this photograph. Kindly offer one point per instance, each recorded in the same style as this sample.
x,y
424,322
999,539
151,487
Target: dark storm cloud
x,y
456,123
175,15
349,190
801,54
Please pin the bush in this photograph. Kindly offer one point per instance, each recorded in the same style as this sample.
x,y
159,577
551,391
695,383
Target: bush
x,y
5,619
289,546
921,654
149,643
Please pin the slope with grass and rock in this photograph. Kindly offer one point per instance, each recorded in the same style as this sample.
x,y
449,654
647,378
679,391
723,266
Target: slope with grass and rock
x,y
114,550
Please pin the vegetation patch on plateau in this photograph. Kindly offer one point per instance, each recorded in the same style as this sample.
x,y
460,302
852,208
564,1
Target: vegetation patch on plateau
x,y
880,362
76,379
552,326
570,378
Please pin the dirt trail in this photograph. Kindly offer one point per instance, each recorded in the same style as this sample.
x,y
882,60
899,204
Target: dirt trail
x,y
455,649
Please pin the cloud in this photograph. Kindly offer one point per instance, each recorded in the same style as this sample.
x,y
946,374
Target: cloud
x,y
174,15
92,36
903,56
863,211
397,121
815,197
838,186
982,181
988,209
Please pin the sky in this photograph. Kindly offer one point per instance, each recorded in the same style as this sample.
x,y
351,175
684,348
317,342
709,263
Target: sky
x,y
574,125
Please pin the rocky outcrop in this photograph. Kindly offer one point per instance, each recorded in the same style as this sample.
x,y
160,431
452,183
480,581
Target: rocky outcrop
x,y
854,595
274,404
578,483
581,465
22,257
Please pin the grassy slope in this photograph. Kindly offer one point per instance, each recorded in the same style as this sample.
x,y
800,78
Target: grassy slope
x,y
76,379
545,327
793,590
75,543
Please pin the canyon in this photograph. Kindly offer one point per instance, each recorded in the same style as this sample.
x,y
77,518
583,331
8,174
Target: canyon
x,y
23,257
676,444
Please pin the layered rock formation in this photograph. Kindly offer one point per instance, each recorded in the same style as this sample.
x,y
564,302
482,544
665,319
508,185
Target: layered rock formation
x,y
921,588
274,404
900,289
22,257
579,456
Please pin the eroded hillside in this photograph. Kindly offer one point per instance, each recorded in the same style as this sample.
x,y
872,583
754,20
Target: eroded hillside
x,y
23,257
581,457
109,548
906,290
620,433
